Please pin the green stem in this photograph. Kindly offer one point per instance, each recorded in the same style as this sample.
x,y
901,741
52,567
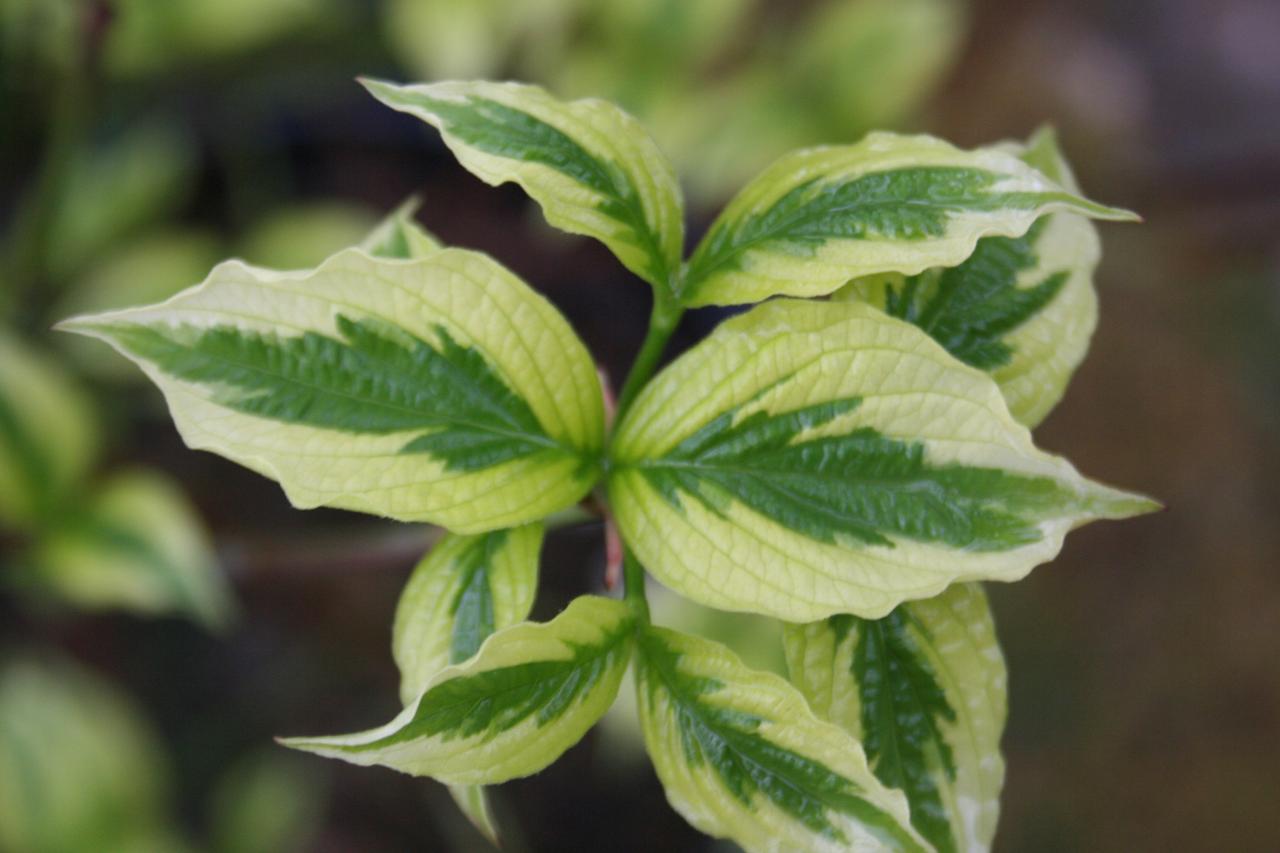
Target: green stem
x,y
662,323
633,576
663,320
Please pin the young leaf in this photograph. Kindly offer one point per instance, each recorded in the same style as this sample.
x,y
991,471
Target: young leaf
x,y
923,690
531,692
1021,308
473,801
742,757
592,168
441,389
137,544
466,588
821,216
47,442
400,236
813,458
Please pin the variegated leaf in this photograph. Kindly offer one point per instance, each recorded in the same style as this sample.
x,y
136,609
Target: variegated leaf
x,y
923,690
466,588
812,458
80,767
136,544
531,692
593,168
742,757
1021,308
822,216
441,389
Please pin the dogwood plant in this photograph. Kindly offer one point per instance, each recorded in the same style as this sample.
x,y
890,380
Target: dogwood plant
x,y
850,465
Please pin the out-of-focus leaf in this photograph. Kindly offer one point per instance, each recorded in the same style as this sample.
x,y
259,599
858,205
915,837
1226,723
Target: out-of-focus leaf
x,y
440,39
868,63
301,236
47,437
137,545
116,188
148,36
80,769
36,35
734,129
268,802
633,52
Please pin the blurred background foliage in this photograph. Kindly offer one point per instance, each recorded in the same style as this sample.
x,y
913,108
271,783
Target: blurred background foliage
x,y
164,613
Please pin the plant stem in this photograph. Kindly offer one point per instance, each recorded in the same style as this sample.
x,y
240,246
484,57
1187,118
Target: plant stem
x,y
633,576
662,323
663,320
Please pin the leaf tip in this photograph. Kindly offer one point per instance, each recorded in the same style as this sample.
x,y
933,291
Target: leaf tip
x,y
380,89
81,324
1108,503
1106,212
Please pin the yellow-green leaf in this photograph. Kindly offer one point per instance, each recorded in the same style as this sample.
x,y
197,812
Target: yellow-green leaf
x,y
923,690
813,458
531,692
300,236
136,544
592,168
47,437
1021,308
440,389
742,757
870,63
821,216
80,768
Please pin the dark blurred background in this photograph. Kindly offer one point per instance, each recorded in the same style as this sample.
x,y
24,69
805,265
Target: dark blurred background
x,y
142,142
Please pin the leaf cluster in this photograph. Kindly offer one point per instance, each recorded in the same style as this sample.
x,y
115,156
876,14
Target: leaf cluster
x,y
850,465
